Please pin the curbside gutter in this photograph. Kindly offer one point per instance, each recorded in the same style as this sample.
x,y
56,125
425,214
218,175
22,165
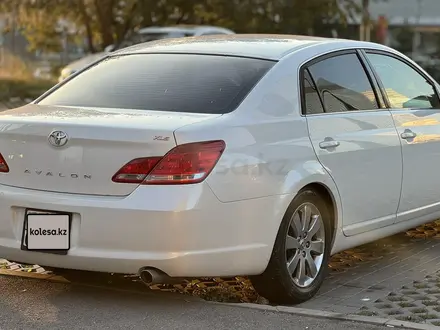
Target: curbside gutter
x,y
60,279
392,323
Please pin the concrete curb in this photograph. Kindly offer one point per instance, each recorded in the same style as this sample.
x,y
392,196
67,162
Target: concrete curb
x,y
334,316
39,276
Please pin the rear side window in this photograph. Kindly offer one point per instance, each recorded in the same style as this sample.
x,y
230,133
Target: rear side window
x,y
311,96
343,84
163,82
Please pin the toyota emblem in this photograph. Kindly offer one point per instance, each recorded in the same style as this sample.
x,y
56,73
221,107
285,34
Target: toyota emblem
x,y
58,138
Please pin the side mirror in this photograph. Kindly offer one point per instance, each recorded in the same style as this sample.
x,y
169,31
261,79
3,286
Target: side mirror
x,y
420,102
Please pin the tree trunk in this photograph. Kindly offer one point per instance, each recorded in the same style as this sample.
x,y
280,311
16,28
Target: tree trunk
x,y
87,21
365,25
104,13
128,24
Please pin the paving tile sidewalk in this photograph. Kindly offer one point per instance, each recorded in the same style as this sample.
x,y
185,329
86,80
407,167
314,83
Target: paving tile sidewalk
x,y
26,304
395,277
416,302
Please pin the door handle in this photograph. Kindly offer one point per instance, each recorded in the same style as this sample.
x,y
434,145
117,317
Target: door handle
x,y
408,134
329,144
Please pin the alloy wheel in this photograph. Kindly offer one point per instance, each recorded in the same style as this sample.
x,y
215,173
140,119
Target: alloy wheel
x,y
305,244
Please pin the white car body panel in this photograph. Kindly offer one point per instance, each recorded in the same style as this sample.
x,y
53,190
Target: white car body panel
x,y
420,158
227,224
369,154
156,226
257,163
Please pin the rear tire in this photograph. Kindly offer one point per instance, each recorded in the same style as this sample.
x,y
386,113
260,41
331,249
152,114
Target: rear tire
x,y
300,256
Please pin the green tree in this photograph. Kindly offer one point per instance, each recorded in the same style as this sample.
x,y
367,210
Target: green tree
x,y
250,16
33,18
103,22
106,22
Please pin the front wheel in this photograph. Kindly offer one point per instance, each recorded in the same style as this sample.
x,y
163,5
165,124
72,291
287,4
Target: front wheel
x,y
300,256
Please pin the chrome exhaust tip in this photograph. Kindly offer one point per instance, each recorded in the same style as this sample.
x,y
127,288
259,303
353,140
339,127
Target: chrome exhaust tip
x,y
151,276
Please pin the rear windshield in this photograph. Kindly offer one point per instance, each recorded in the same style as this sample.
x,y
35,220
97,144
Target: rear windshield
x,y
164,82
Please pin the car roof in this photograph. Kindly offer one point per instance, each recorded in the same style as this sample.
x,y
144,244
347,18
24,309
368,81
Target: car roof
x,y
183,28
271,47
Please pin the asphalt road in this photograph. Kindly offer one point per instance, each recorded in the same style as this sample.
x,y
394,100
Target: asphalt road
x,y
36,304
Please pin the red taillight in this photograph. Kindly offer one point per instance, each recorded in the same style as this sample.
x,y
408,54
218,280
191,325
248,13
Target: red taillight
x,y
136,171
4,168
187,163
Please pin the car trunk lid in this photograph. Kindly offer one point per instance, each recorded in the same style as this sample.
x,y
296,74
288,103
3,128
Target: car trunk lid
x,y
98,142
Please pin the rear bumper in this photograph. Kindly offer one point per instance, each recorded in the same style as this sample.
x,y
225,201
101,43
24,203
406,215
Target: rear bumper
x,y
182,230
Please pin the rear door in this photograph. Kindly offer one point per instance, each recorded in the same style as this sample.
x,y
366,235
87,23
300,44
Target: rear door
x,y
354,138
415,106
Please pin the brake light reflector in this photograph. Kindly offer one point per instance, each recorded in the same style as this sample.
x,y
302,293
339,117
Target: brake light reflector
x,y
187,163
4,168
136,170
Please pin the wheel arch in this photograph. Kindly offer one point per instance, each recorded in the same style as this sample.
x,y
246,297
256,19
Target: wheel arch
x,y
275,273
326,193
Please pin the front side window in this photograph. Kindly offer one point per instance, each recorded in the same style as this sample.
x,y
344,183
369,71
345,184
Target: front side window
x,y
343,84
163,82
404,86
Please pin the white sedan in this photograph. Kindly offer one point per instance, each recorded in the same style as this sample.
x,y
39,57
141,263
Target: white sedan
x,y
221,156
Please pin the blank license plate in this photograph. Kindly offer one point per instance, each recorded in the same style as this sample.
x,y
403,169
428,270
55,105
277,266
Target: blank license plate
x,y
49,232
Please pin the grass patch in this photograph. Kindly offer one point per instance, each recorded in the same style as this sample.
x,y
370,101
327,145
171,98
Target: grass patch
x,y
12,66
430,302
395,312
428,316
410,292
23,88
396,298
418,297
433,291
367,313
406,304
419,311
384,306
421,285
414,319
17,79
